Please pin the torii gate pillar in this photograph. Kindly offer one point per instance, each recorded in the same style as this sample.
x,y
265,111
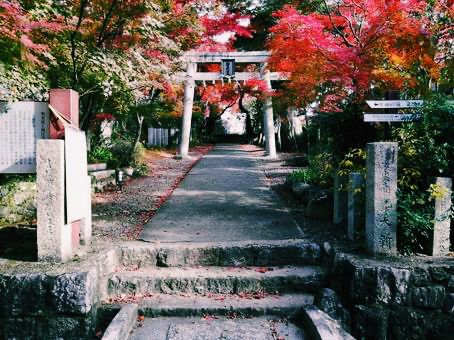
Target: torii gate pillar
x,y
189,86
268,121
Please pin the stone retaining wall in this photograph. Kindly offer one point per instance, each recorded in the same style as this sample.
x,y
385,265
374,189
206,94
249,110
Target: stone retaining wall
x,y
39,302
394,299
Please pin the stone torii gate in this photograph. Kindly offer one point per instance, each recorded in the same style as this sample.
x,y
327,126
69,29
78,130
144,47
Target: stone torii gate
x,y
228,61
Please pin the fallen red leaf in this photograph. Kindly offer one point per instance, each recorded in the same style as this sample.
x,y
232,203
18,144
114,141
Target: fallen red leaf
x,y
264,269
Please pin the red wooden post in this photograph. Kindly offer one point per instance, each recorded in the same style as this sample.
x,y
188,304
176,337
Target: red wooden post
x,y
66,102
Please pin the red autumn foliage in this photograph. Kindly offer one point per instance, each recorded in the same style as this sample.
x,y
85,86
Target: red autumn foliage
x,y
352,45
20,27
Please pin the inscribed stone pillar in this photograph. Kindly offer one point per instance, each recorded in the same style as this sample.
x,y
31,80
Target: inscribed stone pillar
x,y
268,121
442,223
54,237
381,197
340,198
189,86
356,202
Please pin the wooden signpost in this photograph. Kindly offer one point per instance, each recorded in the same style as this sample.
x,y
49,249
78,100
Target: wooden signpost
x,y
390,117
394,104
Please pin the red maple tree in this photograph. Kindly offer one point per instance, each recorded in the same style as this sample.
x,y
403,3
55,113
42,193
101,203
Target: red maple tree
x,y
350,46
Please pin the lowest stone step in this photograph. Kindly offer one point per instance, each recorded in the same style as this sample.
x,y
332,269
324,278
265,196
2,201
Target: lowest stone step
x,y
213,328
220,280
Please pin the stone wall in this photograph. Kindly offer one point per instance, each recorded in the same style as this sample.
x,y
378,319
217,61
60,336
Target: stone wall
x,y
17,202
395,298
41,301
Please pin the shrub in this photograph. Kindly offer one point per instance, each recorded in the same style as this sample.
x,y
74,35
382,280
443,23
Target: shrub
x,y
426,150
319,172
122,154
302,175
140,167
322,169
140,171
139,155
354,161
100,154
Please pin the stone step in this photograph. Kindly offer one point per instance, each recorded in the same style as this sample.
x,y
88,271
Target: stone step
x,y
102,174
217,328
219,280
101,179
96,167
239,253
190,305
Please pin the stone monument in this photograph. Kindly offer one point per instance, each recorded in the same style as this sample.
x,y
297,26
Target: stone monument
x,y
381,197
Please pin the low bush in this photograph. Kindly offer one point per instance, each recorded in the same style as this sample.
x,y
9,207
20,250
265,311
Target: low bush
x,y
302,175
122,154
426,150
100,154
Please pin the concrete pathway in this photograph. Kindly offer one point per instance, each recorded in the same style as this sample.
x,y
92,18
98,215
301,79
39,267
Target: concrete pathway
x,y
223,198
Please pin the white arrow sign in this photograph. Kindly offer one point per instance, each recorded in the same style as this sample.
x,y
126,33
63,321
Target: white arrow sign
x,y
387,117
394,104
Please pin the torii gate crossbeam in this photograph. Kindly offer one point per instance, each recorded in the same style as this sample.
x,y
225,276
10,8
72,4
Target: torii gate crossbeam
x,y
257,57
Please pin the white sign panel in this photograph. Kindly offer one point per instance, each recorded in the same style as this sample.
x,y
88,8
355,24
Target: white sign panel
x,y
386,117
394,104
76,173
21,125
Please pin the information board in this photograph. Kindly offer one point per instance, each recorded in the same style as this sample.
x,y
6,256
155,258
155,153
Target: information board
x,y
76,173
21,125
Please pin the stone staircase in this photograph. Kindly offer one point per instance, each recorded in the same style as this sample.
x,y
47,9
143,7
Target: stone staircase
x,y
177,285
101,176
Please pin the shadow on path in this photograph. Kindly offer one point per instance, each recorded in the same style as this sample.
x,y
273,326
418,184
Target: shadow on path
x,y
223,198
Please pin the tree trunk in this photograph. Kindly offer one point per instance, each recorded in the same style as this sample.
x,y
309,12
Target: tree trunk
x,y
139,132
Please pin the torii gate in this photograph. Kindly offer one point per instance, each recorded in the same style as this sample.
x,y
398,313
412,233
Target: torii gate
x,y
228,60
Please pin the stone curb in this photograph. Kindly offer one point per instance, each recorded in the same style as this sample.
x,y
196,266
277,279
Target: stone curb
x,y
320,326
96,167
122,324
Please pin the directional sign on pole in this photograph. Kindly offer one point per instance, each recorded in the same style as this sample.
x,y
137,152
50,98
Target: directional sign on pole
x,y
387,117
394,104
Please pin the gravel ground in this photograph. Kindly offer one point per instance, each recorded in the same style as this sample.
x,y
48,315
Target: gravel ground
x,y
121,215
